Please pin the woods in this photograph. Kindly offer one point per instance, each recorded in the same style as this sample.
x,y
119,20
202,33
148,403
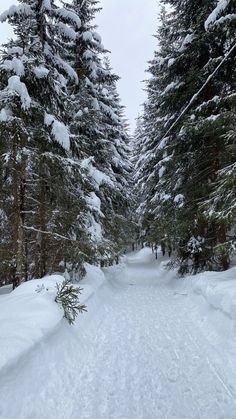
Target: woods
x,y
186,154
74,186
65,170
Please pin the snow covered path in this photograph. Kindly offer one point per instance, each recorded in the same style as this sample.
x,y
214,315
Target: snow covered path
x,y
137,355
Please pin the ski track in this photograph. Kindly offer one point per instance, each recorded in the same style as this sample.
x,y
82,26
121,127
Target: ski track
x,y
138,356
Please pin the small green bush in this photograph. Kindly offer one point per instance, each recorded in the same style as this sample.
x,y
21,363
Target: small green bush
x,y
68,298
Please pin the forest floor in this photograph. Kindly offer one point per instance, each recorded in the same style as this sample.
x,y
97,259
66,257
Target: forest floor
x,y
147,349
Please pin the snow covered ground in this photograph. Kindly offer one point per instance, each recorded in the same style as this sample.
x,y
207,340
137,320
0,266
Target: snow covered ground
x,y
29,313
150,347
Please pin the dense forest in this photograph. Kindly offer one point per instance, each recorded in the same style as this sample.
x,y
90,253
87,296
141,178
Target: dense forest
x,y
74,186
185,140
65,155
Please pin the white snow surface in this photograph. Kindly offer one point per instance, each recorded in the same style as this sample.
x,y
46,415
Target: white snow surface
x,y
26,316
30,313
152,346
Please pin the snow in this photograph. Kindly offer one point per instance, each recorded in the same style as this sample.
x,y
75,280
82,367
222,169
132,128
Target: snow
x,y
219,291
69,17
59,131
66,31
162,171
187,40
98,176
66,67
179,200
94,279
21,10
94,229
171,86
27,316
97,37
88,55
16,86
95,104
162,144
94,202
40,72
171,61
225,19
151,346
221,6
15,50
87,36
5,115
15,65
46,5
30,313
213,118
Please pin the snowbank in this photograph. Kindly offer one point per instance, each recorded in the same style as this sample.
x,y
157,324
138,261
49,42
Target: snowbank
x,y
26,316
30,313
93,280
218,289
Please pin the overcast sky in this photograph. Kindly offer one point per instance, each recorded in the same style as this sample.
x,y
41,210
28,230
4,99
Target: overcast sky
x,y
126,27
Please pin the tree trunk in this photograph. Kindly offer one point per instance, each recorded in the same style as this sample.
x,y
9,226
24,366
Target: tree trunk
x,y
221,239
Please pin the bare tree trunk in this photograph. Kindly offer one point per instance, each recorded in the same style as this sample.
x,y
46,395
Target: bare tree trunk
x,y
42,220
20,255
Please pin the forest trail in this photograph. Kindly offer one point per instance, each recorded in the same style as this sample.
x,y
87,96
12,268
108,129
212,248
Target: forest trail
x,y
137,355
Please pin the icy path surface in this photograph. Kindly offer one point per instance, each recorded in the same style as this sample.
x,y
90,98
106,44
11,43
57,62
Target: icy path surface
x,y
137,355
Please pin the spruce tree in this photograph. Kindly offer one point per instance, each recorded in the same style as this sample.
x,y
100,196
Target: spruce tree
x,y
99,136
64,172
38,176
183,160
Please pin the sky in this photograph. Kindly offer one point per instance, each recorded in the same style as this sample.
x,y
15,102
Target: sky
x,y
126,27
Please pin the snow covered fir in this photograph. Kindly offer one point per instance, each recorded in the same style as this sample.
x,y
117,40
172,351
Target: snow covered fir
x,y
117,249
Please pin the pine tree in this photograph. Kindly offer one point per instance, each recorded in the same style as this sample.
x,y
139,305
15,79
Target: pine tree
x,y
64,173
38,175
99,137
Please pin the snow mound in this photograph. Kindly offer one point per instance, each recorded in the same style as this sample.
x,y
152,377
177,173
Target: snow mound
x,y
142,256
30,313
93,280
26,316
219,290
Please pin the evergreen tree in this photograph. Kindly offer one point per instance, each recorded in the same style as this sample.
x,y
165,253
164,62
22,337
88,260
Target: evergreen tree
x,y
64,172
182,160
38,176
99,136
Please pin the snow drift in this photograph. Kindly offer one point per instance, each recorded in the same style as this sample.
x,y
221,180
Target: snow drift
x,y
219,290
30,312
